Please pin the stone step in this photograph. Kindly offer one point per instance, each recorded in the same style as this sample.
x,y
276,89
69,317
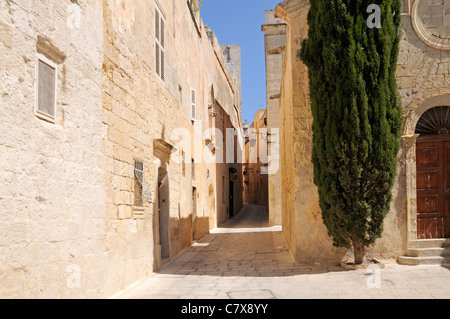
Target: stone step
x,y
430,243
430,260
428,252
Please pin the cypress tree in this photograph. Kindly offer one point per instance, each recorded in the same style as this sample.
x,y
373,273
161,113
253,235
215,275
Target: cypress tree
x,y
357,115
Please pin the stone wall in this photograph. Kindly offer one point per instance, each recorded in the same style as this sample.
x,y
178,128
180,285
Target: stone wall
x,y
70,221
422,77
423,74
275,45
256,180
303,228
52,201
145,113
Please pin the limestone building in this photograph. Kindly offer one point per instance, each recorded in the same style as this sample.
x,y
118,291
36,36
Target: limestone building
x,y
106,107
255,169
419,208
274,42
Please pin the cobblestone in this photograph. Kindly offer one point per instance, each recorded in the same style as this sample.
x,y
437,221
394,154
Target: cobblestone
x,y
246,263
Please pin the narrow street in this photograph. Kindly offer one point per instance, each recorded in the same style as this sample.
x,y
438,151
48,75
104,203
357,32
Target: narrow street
x,y
247,259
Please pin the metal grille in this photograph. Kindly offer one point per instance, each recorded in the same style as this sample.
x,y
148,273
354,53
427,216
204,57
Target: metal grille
x,y
157,29
435,121
142,189
163,61
157,59
160,59
46,89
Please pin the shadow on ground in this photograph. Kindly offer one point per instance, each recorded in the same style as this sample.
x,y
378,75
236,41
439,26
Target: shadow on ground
x,y
244,246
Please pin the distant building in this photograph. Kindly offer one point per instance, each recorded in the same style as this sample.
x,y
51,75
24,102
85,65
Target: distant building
x,y
419,210
275,42
105,111
256,176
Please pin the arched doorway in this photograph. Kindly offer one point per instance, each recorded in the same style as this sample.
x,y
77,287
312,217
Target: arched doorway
x,y
433,173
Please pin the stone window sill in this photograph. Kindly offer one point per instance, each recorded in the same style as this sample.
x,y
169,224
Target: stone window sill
x,y
138,210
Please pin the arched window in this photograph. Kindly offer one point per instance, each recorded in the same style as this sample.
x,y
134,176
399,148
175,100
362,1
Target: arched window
x,y
435,121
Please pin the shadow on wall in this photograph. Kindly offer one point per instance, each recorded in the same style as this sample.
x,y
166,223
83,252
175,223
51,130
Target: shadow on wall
x,y
234,254
182,232
243,246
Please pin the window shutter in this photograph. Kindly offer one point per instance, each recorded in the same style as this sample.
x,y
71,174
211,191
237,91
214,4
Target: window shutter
x,y
193,96
193,104
160,56
157,58
163,61
46,89
157,29
162,36
163,54
139,181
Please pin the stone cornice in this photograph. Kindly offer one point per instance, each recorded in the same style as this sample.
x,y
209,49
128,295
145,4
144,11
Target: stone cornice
x,y
45,47
162,150
288,7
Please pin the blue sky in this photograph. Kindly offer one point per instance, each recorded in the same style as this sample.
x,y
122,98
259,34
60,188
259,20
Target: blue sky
x,y
239,22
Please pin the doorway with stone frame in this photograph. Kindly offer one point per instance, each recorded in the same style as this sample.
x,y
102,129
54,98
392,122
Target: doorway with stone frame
x,y
426,152
413,138
163,213
433,173
162,151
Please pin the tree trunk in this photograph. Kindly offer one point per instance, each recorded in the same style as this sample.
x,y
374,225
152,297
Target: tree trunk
x,y
359,251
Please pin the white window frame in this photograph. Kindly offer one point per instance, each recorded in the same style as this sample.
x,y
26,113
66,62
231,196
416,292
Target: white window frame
x,y
193,104
38,113
161,68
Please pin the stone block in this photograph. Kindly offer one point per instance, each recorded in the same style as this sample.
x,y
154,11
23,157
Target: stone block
x,y
6,35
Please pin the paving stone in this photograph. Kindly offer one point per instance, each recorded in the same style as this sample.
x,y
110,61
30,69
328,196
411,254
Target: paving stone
x,y
245,265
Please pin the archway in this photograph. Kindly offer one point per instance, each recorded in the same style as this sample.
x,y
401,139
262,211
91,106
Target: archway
x,y
433,173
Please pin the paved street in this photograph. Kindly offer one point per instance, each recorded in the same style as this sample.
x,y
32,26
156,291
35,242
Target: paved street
x,y
246,259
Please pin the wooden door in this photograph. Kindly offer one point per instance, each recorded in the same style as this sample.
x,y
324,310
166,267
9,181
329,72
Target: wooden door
x,y
433,188
446,212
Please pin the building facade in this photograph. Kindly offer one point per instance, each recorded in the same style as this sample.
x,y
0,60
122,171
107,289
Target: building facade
x,y
255,169
419,206
103,139
275,43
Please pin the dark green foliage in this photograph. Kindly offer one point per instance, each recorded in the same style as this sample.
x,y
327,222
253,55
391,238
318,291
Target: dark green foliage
x,y
357,114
